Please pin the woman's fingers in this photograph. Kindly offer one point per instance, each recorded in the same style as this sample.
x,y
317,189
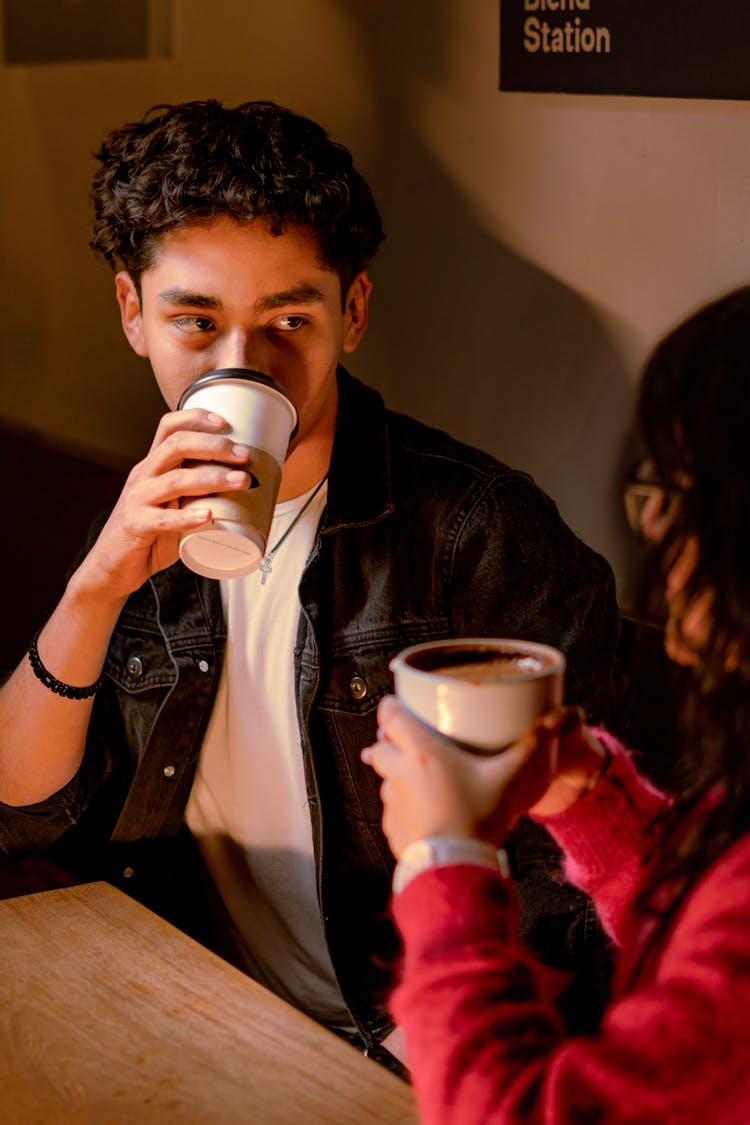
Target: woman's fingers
x,y
430,784
382,756
399,725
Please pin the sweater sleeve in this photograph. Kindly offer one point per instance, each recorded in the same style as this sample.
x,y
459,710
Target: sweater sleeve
x,y
484,1046
608,833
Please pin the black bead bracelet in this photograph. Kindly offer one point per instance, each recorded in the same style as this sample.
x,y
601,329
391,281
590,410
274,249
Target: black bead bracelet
x,y
67,691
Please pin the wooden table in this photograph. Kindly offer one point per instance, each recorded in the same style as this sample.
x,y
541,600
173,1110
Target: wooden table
x,y
110,1015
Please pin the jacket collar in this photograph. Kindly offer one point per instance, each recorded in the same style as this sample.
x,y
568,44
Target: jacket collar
x,y
359,481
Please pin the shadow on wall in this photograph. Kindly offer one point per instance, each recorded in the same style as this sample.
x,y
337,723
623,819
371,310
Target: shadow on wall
x,y
499,352
489,345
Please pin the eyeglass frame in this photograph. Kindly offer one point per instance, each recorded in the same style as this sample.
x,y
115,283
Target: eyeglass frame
x,y
636,487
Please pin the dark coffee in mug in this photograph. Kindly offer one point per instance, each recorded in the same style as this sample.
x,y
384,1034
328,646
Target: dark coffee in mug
x,y
480,664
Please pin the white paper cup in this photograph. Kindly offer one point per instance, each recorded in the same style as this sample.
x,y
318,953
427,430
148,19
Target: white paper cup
x,y
481,692
261,415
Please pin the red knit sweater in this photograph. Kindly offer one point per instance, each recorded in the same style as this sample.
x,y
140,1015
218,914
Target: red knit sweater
x,y
674,1044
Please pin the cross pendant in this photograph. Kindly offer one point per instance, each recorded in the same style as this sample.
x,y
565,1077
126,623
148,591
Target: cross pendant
x,y
265,569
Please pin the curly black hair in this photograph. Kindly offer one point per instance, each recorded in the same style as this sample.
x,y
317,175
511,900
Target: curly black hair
x,y
196,161
694,412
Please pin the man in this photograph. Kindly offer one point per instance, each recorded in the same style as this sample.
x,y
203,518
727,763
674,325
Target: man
x,y
158,708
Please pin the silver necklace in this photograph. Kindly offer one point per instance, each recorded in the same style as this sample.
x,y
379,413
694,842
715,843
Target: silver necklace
x,y
266,565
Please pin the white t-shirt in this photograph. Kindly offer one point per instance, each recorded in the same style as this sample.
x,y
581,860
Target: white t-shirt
x,y
248,806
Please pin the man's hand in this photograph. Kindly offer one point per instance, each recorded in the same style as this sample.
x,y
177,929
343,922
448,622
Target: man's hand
x,y
189,456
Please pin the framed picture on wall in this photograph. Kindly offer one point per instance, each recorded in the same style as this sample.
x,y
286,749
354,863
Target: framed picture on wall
x,y
58,31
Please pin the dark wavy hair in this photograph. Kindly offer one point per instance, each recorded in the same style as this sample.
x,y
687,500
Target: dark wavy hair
x,y
694,413
196,161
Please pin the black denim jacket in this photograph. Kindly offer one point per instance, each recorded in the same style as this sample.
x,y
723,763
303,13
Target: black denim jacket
x,y
422,538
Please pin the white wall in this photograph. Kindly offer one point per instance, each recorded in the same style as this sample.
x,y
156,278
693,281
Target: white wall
x,y
538,245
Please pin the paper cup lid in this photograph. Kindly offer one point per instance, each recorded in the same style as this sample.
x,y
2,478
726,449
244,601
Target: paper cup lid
x,y
240,374
216,551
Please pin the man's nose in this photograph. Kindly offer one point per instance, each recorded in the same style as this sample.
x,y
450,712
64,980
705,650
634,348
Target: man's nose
x,y
247,350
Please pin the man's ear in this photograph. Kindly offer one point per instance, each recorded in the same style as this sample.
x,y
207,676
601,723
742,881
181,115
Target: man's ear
x,y
130,312
355,312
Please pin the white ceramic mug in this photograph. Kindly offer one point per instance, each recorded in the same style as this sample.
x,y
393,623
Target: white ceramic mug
x,y
482,692
261,415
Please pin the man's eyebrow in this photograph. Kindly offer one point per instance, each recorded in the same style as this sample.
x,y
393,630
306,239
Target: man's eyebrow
x,y
300,294
185,297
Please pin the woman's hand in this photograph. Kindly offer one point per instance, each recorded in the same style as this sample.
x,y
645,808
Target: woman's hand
x,y
581,759
433,788
189,456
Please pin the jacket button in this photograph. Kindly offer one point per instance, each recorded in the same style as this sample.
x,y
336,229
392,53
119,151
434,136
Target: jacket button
x,y
203,665
357,687
135,667
168,771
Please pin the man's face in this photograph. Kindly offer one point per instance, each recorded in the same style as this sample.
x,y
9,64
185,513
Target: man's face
x,y
231,294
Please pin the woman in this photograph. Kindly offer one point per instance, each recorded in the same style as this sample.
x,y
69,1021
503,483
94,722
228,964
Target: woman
x,y
670,875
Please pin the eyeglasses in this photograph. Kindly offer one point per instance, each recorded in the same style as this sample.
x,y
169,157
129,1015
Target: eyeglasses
x,y
650,505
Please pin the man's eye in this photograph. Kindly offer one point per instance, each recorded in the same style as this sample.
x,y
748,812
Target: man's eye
x,y
289,323
194,324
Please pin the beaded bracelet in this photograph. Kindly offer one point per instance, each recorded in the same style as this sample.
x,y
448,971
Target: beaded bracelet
x,y
67,691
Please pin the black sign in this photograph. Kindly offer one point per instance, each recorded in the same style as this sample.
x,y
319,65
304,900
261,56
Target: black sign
x,y
658,48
